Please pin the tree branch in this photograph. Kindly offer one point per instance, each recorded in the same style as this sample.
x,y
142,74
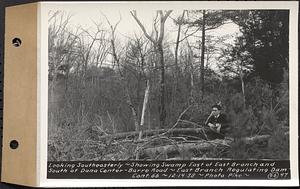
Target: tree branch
x,y
162,24
133,13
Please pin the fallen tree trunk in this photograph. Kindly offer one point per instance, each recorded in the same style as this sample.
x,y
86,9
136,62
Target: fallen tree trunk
x,y
167,132
201,146
171,150
255,139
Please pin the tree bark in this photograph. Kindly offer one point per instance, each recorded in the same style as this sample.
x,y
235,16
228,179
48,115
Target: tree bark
x,y
192,89
242,83
145,103
189,58
202,54
177,43
162,107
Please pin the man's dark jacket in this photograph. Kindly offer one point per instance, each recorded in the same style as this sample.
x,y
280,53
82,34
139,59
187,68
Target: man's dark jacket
x,y
221,119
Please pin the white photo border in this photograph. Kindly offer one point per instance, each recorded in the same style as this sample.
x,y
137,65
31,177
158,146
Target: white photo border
x,y
42,104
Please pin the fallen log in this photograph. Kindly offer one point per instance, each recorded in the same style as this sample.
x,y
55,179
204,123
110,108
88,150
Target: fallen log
x,y
175,150
196,147
255,139
168,132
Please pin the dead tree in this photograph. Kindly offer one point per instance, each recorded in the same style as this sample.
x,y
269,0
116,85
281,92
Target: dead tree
x,y
202,53
158,45
180,23
117,62
61,44
136,56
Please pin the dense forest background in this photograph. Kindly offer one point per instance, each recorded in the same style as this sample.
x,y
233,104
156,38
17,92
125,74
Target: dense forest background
x,y
116,98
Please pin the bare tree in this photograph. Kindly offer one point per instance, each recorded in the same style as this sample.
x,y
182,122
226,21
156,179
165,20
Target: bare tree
x,y
59,41
62,54
136,54
117,61
180,23
98,36
145,104
192,70
202,52
209,20
158,44
236,64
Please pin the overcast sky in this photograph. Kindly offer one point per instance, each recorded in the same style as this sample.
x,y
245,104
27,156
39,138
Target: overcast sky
x,y
85,14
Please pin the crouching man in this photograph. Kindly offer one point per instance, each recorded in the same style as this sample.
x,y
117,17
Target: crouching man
x,y
217,121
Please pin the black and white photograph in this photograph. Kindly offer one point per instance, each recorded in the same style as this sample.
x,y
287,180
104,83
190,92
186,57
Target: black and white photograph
x,y
169,85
